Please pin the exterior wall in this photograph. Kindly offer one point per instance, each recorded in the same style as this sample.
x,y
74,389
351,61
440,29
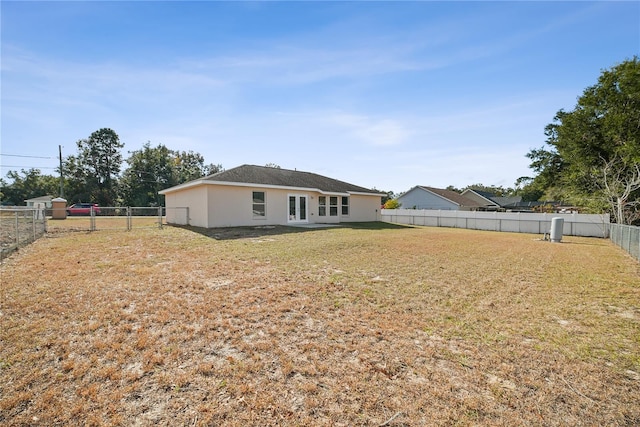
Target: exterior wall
x,y
193,198
231,206
363,209
33,202
419,198
214,205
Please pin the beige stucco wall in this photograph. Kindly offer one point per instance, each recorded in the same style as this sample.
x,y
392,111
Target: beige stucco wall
x,y
364,209
195,199
233,206
214,205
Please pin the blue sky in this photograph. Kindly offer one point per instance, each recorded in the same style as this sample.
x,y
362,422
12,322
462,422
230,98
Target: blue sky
x,y
380,94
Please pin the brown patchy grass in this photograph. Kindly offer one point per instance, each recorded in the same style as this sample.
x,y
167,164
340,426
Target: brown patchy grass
x,y
342,326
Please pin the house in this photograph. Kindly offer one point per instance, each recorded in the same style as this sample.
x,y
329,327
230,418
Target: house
x,y
251,195
422,197
491,202
39,201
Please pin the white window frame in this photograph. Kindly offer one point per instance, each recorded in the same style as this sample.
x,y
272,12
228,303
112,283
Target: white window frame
x,y
344,205
333,207
322,206
263,204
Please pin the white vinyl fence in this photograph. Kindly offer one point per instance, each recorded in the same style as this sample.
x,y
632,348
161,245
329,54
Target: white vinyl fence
x,y
515,222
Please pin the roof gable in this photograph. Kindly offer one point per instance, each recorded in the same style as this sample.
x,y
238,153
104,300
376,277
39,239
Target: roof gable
x,y
452,196
480,197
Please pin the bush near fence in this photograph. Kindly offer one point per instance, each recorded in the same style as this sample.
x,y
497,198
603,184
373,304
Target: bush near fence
x,y
515,222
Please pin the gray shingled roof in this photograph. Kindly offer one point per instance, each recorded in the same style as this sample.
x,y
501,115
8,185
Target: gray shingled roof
x,y
285,178
452,196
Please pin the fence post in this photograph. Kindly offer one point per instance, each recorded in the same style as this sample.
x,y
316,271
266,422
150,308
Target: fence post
x,y
159,216
33,224
17,224
129,219
92,220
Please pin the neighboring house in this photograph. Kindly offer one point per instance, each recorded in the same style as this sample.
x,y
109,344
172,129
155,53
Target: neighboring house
x,y
422,197
38,201
482,198
491,202
256,195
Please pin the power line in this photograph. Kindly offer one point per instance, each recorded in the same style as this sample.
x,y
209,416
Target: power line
x,y
30,157
30,167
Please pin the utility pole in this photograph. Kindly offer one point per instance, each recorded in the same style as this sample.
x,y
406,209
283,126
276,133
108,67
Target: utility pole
x,y
61,179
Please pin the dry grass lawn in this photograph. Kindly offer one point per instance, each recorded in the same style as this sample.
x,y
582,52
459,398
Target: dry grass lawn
x,y
363,326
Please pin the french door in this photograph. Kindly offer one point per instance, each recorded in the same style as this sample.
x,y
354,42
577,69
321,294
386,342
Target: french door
x,y
298,208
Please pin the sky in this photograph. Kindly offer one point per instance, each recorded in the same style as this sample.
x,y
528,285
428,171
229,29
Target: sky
x,y
385,95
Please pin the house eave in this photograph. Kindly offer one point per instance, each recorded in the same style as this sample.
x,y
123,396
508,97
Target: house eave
x,y
248,184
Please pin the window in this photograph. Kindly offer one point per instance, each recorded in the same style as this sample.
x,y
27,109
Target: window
x,y
259,206
322,206
333,206
345,206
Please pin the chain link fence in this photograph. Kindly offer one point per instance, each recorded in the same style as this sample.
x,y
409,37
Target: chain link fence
x,y
627,237
19,227
123,218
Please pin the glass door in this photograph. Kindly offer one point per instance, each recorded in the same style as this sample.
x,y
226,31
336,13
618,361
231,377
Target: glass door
x,y
297,208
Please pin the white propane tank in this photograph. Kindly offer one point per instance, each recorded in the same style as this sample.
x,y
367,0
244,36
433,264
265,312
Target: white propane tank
x,y
557,224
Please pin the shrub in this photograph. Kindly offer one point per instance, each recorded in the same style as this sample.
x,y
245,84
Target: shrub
x,y
392,204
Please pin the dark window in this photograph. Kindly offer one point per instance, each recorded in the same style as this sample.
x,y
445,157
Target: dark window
x,y
345,206
259,205
322,206
333,206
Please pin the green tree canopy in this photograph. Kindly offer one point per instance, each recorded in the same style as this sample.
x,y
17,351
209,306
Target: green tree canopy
x,y
597,142
94,172
152,169
28,184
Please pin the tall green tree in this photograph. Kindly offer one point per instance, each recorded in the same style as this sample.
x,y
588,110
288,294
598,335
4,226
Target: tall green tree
x,y
152,169
597,141
149,170
189,165
98,164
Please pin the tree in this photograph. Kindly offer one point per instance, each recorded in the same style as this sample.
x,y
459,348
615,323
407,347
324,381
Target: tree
x,y
601,136
210,169
392,204
498,190
27,184
188,166
618,186
388,195
97,166
150,170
